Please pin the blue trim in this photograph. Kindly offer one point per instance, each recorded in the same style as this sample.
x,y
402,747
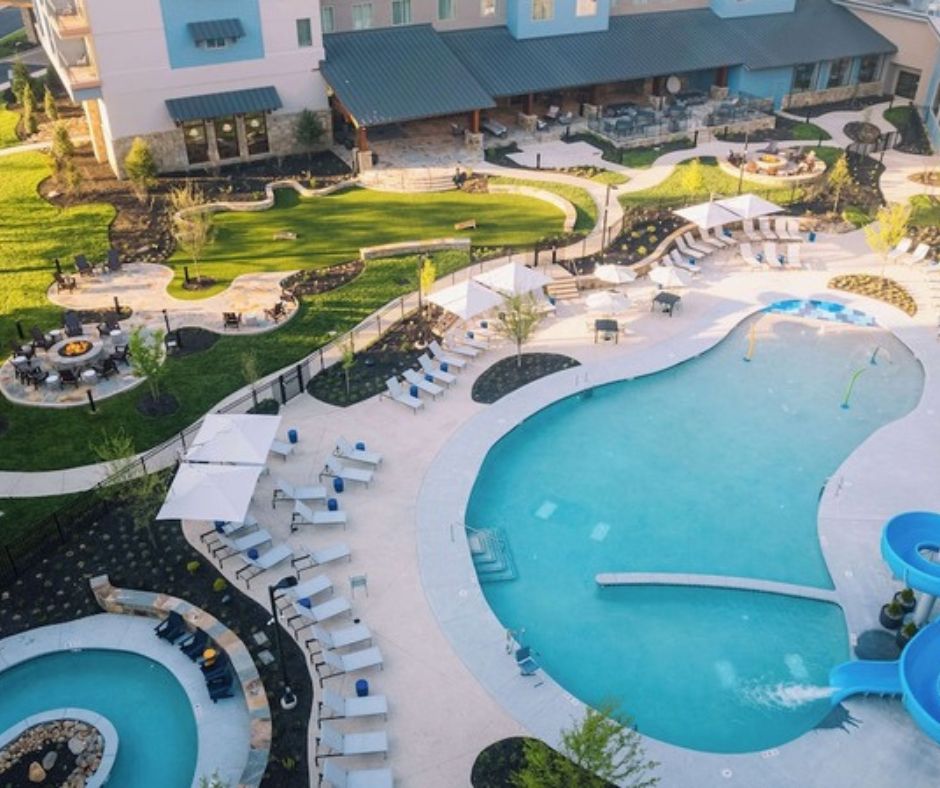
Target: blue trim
x,y
183,51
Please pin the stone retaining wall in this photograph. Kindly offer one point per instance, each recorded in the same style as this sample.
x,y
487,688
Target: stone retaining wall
x,y
810,98
414,247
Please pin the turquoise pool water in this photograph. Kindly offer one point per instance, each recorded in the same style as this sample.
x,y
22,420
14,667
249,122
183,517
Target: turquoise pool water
x,y
714,466
142,699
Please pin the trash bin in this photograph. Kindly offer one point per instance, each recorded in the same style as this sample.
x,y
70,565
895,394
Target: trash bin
x,y
362,688
812,236
292,435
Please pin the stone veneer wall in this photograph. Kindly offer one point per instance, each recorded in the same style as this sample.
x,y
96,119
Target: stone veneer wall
x,y
843,93
169,149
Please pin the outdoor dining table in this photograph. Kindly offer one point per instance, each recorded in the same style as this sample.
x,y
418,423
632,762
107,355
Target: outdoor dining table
x,y
607,326
667,301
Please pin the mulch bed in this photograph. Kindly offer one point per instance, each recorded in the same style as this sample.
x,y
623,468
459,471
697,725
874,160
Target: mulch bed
x,y
506,376
320,280
862,132
98,315
4,424
98,537
929,178
18,774
194,340
497,764
164,405
877,287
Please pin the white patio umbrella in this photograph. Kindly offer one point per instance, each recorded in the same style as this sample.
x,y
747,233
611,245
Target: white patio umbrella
x,y
239,439
748,206
708,215
667,276
513,279
210,492
607,301
614,274
466,300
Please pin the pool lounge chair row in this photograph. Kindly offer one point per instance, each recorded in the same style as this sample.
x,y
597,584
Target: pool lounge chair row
x,y
770,257
430,379
902,252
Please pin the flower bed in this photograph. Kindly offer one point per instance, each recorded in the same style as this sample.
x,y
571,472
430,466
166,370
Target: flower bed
x,y
507,375
877,287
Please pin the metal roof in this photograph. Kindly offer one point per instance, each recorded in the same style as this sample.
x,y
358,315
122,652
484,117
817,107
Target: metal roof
x,y
637,46
215,28
397,74
217,105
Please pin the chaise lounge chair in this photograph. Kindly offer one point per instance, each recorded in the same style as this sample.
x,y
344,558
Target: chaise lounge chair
x,y
702,246
339,638
452,361
793,256
747,254
305,610
751,231
710,241
239,544
337,470
903,247
346,451
256,563
339,777
675,258
350,743
919,254
427,366
304,515
324,555
688,251
770,254
305,590
766,230
282,449
395,391
349,663
283,491
426,386
342,707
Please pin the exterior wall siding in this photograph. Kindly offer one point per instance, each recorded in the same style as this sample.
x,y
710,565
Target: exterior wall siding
x,y
932,121
183,51
564,19
771,83
467,14
734,8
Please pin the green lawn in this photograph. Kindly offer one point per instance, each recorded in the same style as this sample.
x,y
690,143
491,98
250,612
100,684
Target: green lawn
x,y
332,229
899,117
12,42
579,198
609,177
8,121
808,131
926,211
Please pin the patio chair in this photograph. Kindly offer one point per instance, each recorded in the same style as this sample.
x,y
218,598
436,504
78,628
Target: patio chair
x,y
339,638
342,707
120,354
348,663
282,449
283,491
194,644
751,231
82,265
397,393
106,368
17,349
73,324
40,339
339,777
304,515
231,319
903,247
339,743
919,254
346,451
172,627
427,366
526,662
337,470
443,358
67,377
701,246
276,313
256,563
222,688
793,256
37,376
217,669
747,254
114,261
64,282
687,250
766,230
316,614
426,386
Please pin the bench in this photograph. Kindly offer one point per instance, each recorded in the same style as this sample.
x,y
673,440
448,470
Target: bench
x,y
285,235
469,224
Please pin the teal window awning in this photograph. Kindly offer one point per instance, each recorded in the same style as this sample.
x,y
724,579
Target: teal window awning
x,y
216,30
218,105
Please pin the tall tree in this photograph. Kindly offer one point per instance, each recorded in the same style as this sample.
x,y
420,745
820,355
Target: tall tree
x,y
28,112
63,149
141,168
520,316
840,179
48,104
20,80
193,224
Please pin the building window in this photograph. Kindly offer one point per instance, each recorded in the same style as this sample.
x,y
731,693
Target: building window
x,y
362,16
445,10
401,12
907,84
256,134
935,107
326,19
215,43
226,137
869,69
197,142
804,76
304,34
543,10
838,72
488,8
586,8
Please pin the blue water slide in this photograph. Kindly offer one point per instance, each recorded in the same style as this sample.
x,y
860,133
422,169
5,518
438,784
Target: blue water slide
x,y
920,679
865,677
902,540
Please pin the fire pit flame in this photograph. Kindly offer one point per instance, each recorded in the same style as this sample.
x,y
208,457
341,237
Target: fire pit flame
x,y
77,347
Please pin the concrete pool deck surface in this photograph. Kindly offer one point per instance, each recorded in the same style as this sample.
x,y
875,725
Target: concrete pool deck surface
x,y
222,728
452,689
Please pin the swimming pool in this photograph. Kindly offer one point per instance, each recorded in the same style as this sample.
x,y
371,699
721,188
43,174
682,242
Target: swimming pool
x,y
142,699
714,467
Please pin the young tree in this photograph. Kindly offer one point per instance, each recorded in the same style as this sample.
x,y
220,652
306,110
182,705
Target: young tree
x,y
518,322
28,112
603,748
309,130
693,178
213,782
63,149
840,179
141,168
147,354
193,224
20,81
348,362
427,276
49,105
889,227
71,178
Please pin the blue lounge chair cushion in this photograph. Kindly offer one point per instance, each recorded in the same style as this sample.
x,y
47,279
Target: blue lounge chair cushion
x,y
469,335
253,553
429,378
360,446
220,526
413,391
443,366
332,504
305,602
338,484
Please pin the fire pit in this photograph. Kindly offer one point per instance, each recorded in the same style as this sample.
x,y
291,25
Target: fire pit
x,y
75,352
74,348
770,161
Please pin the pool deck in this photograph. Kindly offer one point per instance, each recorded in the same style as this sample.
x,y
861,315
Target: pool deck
x,y
222,728
451,686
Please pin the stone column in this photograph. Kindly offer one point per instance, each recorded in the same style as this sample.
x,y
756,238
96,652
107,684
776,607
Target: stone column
x,y
93,121
242,137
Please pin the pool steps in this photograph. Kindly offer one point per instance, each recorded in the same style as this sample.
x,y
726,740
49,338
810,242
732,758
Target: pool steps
x,y
491,555
607,579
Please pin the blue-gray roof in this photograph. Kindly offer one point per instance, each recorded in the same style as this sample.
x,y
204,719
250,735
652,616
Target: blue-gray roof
x,y
397,74
217,105
637,46
211,29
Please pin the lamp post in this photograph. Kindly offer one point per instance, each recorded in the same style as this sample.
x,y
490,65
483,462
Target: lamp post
x,y
743,162
288,698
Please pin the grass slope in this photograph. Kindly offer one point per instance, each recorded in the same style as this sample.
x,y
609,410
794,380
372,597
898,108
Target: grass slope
x,y
579,198
8,121
332,229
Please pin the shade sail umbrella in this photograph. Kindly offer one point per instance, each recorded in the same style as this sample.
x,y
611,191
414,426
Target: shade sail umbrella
x,y
607,301
614,274
513,279
748,206
466,300
240,439
708,215
210,492
667,276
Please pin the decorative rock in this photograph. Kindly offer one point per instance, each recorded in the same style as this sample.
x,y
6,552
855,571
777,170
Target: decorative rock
x,y
36,773
77,745
49,759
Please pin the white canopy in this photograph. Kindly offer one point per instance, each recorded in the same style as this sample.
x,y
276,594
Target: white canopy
x,y
667,276
513,279
614,274
210,492
748,206
708,215
467,299
607,301
234,438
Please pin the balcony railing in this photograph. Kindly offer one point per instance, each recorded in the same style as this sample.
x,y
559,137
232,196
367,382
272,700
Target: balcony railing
x,y
82,77
70,18
915,8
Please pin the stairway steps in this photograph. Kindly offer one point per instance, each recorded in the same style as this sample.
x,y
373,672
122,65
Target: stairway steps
x,y
491,555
